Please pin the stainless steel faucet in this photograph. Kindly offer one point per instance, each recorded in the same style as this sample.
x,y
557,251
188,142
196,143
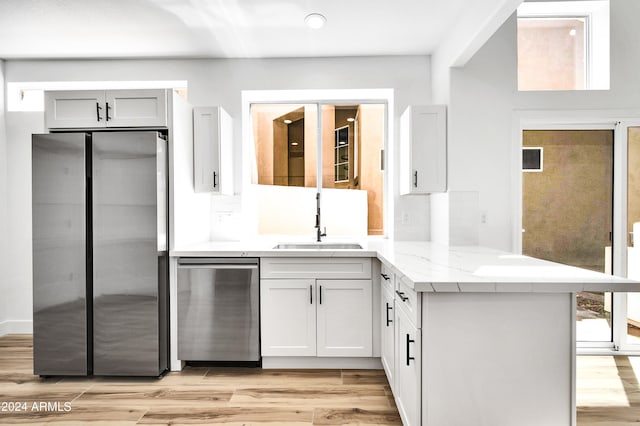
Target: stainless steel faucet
x,y
319,234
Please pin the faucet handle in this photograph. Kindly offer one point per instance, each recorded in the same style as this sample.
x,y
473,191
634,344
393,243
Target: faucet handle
x,y
324,233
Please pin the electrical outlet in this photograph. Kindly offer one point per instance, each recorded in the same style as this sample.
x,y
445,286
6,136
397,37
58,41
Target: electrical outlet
x,y
483,217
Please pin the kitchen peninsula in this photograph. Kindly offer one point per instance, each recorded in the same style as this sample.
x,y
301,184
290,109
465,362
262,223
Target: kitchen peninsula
x,y
468,335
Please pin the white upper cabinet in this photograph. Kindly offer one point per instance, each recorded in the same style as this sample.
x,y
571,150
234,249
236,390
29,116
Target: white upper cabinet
x,y
136,108
74,108
71,109
423,149
212,150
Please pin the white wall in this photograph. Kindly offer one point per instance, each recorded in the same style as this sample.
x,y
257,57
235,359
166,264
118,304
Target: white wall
x,y
3,207
210,82
18,289
484,97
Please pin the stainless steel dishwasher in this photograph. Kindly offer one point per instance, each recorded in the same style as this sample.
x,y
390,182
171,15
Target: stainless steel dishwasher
x,y
218,309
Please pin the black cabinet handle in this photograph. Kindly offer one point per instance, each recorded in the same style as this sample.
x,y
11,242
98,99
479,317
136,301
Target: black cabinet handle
x,y
108,118
388,320
98,108
311,294
214,179
409,341
415,179
402,296
320,299
386,277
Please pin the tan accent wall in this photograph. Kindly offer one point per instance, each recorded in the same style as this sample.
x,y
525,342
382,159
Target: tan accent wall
x,y
371,134
310,146
566,213
280,153
328,137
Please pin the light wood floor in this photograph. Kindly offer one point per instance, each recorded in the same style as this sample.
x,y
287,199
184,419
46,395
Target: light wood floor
x,y
608,390
197,395
608,394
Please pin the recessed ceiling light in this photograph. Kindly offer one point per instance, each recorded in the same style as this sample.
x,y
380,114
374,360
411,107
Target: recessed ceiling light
x,y
294,143
572,32
287,121
351,119
315,20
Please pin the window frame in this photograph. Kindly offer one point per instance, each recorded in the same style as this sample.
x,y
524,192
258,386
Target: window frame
x,y
319,97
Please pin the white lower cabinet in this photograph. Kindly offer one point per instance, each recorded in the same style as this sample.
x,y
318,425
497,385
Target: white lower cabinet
x,y
387,340
315,317
401,344
344,317
288,317
408,372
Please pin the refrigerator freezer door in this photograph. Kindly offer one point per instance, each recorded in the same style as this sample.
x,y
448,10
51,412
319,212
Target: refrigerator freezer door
x,y
129,272
59,254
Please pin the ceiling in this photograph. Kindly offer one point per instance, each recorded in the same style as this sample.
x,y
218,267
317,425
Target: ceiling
x,y
227,28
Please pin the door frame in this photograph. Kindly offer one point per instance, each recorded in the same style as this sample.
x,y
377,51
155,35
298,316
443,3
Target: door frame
x,y
619,121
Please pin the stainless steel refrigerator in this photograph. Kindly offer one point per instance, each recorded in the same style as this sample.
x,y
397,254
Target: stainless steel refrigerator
x,y
100,253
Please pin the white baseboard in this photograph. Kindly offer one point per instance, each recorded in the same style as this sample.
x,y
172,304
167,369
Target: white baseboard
x,y
16,327
313,362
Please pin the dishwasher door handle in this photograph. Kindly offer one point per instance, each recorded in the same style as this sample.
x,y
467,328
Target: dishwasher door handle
x,y
205,266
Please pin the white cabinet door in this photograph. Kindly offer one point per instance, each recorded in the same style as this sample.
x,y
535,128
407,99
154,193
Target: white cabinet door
x,y
67,109
408,370
387,341
136,108
288,317
344,316
423,150
212,150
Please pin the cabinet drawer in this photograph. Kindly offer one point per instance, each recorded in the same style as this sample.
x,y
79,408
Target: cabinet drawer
x,y
305,267
409,301
387,278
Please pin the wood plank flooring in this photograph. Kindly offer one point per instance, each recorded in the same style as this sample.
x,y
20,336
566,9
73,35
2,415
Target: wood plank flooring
x,y
608,393
197,395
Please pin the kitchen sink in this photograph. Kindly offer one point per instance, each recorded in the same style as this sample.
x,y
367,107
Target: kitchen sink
x,y
319,246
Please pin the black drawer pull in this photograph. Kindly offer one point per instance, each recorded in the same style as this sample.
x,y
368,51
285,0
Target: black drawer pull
x,y
402,296
98,108
311,294
409,341
389,321
386,277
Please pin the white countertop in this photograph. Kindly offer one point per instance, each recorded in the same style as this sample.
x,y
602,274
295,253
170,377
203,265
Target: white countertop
x,y
430,267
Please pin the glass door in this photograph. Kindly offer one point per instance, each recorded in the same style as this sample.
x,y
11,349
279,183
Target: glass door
x,y
633,233
567,210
